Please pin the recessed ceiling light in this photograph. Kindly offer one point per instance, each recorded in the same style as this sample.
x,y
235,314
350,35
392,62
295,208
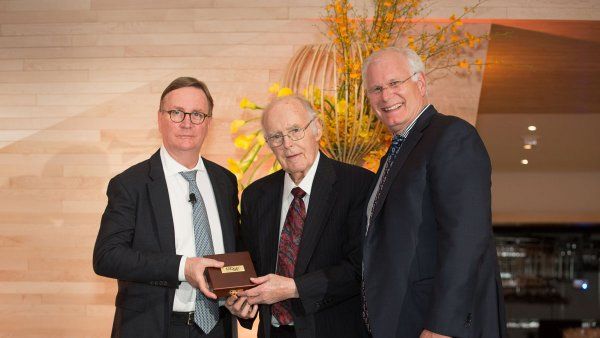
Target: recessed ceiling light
x,y
527,146
532,128
524,161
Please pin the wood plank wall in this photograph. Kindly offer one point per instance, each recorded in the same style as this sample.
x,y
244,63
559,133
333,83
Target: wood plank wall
x,y
79,88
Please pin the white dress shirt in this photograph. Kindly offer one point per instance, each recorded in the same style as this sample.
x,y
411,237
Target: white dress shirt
x,y
288,185
181,210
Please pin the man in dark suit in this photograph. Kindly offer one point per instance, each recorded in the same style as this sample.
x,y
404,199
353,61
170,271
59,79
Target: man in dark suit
x,y
162,216
430,266
302,226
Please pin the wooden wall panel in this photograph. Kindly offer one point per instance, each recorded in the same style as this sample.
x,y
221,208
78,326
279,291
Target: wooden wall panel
x,y
79,88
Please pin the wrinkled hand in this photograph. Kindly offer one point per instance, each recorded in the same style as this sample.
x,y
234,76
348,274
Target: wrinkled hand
x,y
239,307
270,289
194,273
429,334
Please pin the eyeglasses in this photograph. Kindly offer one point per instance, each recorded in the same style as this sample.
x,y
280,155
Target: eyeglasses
x,y
395,84
178,116
295,134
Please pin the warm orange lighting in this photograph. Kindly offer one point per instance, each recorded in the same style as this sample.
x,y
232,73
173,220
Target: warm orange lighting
x,y
532,128
524,161
527,146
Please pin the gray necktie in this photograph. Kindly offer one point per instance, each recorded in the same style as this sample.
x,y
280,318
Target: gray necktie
x,y
206,313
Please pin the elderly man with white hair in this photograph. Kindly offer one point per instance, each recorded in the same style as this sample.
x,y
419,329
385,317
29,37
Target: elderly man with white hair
x,y
302,226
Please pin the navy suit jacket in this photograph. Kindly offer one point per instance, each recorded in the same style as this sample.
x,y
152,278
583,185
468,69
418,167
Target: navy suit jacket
x,y
327,272
136,244
429,254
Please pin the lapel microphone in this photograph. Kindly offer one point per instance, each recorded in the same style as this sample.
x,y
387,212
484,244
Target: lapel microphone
x,y
192,198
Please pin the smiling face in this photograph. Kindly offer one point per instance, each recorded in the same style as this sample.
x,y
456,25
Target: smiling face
x,y
183,140
395,107
295,157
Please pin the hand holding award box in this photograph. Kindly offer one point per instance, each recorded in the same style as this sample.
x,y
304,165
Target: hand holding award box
x,y
234,276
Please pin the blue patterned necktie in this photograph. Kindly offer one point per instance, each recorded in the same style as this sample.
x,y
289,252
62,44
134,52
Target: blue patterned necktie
x,y
206,312
395,147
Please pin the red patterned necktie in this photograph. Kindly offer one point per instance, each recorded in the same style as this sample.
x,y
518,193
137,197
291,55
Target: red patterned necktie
x,y
289,243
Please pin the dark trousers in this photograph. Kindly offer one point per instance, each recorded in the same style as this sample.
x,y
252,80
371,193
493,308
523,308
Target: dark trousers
x,y
284,331
179,327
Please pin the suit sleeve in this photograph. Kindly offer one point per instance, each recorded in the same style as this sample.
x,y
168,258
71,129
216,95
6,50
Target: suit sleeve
x,y
245,244
114,256
330,286
460,182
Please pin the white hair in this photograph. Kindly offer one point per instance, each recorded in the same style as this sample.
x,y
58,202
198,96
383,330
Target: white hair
x,y
310,111
415,64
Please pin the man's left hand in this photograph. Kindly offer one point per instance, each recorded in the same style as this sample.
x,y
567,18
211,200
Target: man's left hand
x,y
240,308
429,334
270,289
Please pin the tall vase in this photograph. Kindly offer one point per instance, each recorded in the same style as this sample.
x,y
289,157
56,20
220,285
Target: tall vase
x,y
331,80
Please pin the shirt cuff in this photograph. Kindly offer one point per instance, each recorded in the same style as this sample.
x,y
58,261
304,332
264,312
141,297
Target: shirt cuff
x,y
182,269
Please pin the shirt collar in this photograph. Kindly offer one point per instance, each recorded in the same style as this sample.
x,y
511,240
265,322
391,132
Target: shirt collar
x,y
305,184
171,167
406,130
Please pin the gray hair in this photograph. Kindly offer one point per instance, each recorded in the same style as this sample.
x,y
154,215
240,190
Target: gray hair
x,y
415,64
312,113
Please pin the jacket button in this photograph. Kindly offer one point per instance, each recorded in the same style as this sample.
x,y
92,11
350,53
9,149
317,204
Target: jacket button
x,y
468,320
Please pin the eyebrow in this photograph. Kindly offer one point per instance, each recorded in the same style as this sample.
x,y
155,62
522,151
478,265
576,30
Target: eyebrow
x,y
294,126
183,110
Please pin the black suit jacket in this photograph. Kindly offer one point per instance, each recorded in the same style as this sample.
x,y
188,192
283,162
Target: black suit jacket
x,y
429,254
327,272
136,244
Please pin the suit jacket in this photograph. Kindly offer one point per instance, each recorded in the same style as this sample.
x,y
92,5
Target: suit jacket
x,y
327,272
429,254
136,244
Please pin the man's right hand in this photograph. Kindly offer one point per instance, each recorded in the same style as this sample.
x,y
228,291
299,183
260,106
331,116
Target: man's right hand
x,y
194,273
240,308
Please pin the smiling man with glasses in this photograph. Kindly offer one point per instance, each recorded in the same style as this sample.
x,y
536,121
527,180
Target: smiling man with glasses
x,y
430,267
302,227
163,215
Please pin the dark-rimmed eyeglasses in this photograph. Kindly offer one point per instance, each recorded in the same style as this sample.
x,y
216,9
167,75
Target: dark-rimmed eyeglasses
x,y
295,134
394,84
178,116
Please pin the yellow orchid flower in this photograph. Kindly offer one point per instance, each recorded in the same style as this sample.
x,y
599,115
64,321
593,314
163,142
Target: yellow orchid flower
x,y
261,139
235,125
341,106
274,88
243,141
247,104
234,167
285,91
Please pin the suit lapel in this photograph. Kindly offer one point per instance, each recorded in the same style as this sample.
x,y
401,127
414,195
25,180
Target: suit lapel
x,y
161,207
217,180
322,198
268,230
413,138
